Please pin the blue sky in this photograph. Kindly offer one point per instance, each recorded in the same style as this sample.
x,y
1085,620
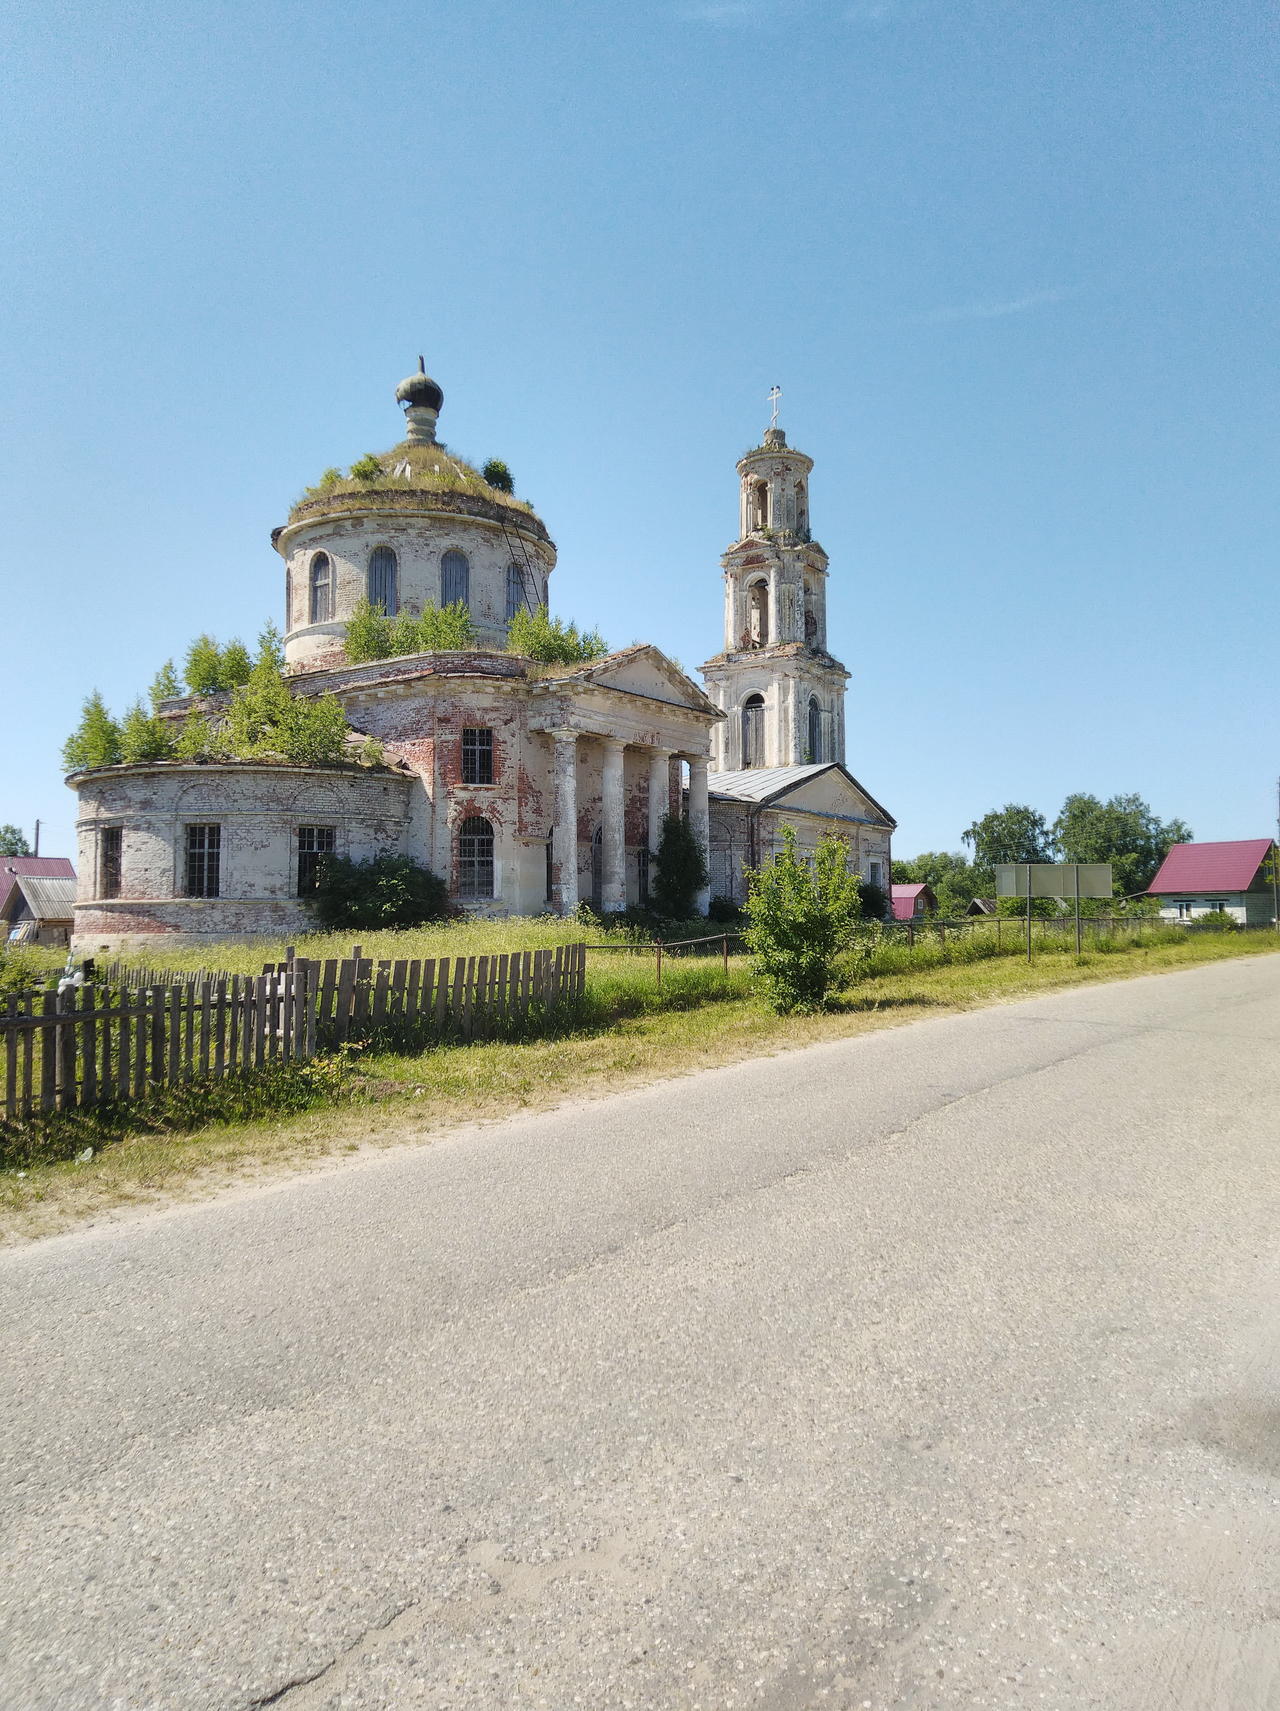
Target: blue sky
x,y
1013,266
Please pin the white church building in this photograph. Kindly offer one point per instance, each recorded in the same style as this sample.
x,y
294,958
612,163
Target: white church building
x,y
529,787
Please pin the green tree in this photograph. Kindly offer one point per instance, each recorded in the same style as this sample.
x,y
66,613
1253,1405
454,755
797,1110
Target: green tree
x,y
801,918
498,475
144,737
1012,833
953,879
445,629
874,901
203,670
367,468
1122,831
314,733
166,685
13,841
537,635
95,740
259,713
682,870
270,646
368,633
235,666
389,891
199,739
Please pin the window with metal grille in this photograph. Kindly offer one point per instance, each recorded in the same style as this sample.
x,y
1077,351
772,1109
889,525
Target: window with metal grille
x,y
204,860
110,839
384,580
477,756
475,858
314,842
321,589
515,590
455,580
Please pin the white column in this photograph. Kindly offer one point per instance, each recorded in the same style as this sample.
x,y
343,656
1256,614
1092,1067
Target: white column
x,y
564,829
613,836
659,793
700,820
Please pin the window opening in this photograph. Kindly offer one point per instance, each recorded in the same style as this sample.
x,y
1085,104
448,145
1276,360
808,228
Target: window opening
x,y
314,842
321,589
204,860
758,614
753,731
455,580
109,849
760,505
384,580
475,858
477,756
515,590
815,729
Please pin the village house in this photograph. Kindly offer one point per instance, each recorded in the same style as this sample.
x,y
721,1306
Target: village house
x,y
908,902
530,788
1198,879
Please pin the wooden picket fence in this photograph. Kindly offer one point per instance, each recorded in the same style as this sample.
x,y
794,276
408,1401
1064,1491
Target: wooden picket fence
x,y
140,1029
458,997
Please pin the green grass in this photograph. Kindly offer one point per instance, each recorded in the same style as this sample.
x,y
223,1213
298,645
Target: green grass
x,y
627,1031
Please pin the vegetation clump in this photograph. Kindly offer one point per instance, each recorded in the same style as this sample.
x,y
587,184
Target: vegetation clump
x,y
389,891
13,841
371,634
537,635
801,920
496,473
681,870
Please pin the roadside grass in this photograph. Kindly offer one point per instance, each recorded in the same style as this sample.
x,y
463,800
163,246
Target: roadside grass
x,y
628,1032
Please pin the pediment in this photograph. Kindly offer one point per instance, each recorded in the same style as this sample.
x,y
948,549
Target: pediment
x,y
647,671
832,792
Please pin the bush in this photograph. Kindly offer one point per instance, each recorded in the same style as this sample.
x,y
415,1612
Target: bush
x,y
439,629
366,468
801,919
1217,920
682,870
724,910
389,891
875,902
498,475
536,635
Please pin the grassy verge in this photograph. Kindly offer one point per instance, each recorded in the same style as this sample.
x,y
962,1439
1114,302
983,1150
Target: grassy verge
x,y
628,1033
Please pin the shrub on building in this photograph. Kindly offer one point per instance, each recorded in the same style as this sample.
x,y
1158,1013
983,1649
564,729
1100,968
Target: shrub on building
x,y
801,919
388,891
498,475
95,740
537,635
437,629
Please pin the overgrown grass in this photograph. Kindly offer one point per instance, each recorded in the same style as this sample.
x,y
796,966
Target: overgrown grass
x,y
627,1031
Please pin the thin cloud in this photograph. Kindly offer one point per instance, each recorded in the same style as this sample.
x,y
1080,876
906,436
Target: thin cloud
x,y
995,310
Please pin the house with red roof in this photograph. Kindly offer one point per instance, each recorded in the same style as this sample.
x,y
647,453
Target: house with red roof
x,y
32,867
1195,879
909,901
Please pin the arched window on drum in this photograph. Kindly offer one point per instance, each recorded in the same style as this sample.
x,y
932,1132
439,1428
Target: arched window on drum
x,y
455,580
515,590
815,729
384,580
321,604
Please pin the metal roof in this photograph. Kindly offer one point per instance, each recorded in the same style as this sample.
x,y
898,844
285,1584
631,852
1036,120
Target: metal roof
x,y
902,899
767,784
58,867
1211,867
47,898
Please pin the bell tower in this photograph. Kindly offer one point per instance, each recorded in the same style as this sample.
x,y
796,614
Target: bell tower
x,y
782,691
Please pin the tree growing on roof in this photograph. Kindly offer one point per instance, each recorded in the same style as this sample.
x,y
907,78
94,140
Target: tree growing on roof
x,y
95,740
537,635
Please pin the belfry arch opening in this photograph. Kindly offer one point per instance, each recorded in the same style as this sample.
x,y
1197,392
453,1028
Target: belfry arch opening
x,y
760,505
758,614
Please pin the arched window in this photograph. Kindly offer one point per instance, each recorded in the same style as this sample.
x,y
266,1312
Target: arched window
x,y
760,505
758,615
753,731
802,509
515,590
475,858
321,589
455,580
815,729
384,580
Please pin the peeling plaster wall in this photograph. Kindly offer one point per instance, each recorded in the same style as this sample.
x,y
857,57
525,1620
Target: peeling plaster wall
x,y
742,836
259,810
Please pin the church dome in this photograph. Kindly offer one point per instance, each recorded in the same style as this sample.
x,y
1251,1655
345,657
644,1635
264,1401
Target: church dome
x,y
419,391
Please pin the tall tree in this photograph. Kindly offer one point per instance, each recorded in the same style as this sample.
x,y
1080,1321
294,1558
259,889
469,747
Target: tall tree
x,y
1122,831
13,841
95,740
1012,833
165,686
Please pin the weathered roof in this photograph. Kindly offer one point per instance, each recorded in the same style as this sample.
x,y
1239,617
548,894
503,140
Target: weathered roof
x,y
47,898
50,866
1211,867
903,899
768,784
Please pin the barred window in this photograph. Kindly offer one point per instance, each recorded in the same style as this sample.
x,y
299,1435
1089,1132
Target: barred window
x,y
313,843
109,845
384,580
455,580
515,590
204,860
477,756
475,858
321,589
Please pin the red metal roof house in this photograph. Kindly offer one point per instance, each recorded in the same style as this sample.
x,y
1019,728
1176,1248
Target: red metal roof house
x,y
908,901
1196,878
33,867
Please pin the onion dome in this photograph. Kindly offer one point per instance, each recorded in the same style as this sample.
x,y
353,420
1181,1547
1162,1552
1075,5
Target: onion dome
x,y
419,391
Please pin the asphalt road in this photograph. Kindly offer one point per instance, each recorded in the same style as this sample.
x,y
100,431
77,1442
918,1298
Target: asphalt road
x,y
935,1368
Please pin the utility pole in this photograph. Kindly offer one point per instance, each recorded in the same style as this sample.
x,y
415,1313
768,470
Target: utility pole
x,y
36,850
